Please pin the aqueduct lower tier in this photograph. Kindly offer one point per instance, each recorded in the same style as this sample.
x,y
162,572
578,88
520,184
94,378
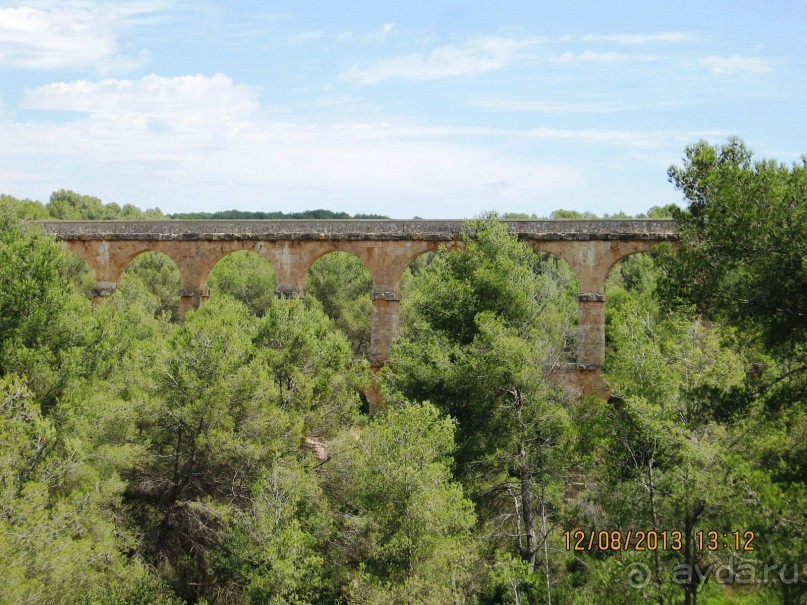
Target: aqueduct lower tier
x,y
386,247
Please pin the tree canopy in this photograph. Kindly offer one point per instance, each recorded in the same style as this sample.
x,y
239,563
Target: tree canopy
x,y
744,235
229,459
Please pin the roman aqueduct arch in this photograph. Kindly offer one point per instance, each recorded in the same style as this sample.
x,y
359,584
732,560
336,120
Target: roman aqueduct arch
x,y
386,247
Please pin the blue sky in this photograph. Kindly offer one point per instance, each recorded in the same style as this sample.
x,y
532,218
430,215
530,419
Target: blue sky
x,y
435,109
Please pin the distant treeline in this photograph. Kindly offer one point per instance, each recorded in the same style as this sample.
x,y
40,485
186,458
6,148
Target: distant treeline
x,y
68,205
245,214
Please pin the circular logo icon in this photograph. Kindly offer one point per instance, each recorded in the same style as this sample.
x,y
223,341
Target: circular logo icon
x,y
638,575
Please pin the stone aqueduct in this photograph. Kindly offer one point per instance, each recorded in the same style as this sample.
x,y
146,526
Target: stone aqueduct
x,y
386,247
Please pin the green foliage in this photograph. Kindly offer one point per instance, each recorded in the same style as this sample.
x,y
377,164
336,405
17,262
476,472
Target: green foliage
x,y
571,214
511,580
232,396
414,521
13,210
246,277
310,366
475,312
79,274
634,275
484,326
660,212
58,537
743,263
680,456
495,273
225,460
69,205
343,285
518,215
156,275
272,552
202,426
41,314
743,257
144,589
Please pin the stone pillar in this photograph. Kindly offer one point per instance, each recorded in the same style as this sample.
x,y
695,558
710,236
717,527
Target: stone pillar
x,y
591,325
384,328
101,290
190,298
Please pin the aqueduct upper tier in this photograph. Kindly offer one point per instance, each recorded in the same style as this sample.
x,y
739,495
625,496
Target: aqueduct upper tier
x,y
386,247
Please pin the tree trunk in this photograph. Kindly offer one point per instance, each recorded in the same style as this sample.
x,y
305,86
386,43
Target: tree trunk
x,y
651,487
545,533
530,548
691,556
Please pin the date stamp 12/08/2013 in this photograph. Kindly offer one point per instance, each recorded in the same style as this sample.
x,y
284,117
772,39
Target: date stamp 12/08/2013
x,y
641,540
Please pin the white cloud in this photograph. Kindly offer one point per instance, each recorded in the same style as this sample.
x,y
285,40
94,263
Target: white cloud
x,y
478,56
736,63
372,37
498,104
177,101
173,141
608,57
305,36
630,39
631,138
375,37
68,35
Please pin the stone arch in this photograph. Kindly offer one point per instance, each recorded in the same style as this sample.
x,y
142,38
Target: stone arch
x,y
563,283
124,256
627,277
592,259
623,265
586,260
399,256
422,258
208,254
160,274
245,275
320,251
388,268
623,252
343,284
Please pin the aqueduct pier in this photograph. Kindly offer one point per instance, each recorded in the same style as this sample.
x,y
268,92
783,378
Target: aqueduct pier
x,y
386,247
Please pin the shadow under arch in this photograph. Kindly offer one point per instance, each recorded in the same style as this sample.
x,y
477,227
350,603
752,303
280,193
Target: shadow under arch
x,y
154,275
343,285
246,276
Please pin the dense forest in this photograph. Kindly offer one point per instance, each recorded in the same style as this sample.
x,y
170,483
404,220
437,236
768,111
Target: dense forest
x,y
233,459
